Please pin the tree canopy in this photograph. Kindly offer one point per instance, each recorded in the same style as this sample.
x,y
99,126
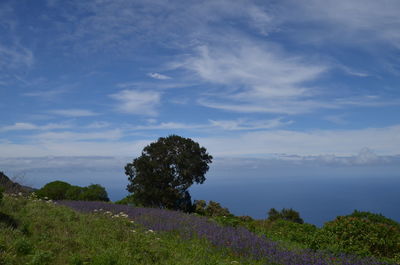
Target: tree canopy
x,y
60,190
161,176
285,214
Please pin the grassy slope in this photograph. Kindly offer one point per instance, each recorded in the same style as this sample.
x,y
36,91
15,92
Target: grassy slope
x,y
51,234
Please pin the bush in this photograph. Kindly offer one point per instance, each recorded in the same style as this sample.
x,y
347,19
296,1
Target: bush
x,y
60,190
55,190
360,233
128,200
285,214
1,194
283,230
23,247
375,218
213,209
94,192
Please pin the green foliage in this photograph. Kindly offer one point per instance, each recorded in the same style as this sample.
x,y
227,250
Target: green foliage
x,y
128,200
360,235
55,190
161,176
1,194
74,193
200,207
285,214
212,209
60,190
62,236
375,218
287,231
94,192
23,246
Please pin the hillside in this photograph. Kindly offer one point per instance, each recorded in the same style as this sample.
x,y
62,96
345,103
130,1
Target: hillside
x,y
13,187
109,234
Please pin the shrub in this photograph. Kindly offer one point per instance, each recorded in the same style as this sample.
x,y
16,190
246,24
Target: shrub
x,y
60,190
283,230
215,209
23,247
212,209
360,235
128,200
375,218
55,190
285,214
94,192
1,194
200,207
74,193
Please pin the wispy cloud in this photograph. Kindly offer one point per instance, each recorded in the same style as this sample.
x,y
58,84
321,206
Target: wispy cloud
x,y
15,57
243,124
261,143
74,112
384,141
25,126
256,78
78,136
216,125
137,102
158,76
356,21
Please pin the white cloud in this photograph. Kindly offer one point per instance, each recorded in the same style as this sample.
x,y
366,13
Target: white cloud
x,y
158,76
384,141
256,78
121,25
137,102
260,143
74,112
98,125
24,126
111,135
214,125
356,21
243,124
15,57
73,148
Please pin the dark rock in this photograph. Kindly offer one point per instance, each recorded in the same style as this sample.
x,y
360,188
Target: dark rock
x,y
13,187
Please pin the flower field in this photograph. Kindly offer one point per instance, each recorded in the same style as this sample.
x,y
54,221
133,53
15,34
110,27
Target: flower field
x,y
238,239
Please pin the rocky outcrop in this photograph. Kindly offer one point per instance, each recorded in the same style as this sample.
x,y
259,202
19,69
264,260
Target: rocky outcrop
x,y
13,187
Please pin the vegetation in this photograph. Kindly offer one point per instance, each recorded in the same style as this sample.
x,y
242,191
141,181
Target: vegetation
x,y
41,232
60,190
213,209
50,234
285,214
362,233
161,176
35,230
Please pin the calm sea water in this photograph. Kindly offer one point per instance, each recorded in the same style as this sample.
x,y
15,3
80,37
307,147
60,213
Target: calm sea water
x,y
318,200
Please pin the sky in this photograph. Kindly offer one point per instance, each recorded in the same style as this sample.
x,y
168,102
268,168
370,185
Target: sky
x,y
287,80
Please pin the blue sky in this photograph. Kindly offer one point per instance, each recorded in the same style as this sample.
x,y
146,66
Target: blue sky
x,y
257,79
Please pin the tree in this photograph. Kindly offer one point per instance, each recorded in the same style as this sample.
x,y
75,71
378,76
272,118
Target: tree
x,y
55,190
94,192
285,214
161,176
60,190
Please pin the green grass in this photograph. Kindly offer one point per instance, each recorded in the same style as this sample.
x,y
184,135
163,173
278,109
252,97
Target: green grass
x,y
50,234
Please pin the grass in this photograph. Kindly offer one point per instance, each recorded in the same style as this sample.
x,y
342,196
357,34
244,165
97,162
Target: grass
x,y
46,233
34,231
